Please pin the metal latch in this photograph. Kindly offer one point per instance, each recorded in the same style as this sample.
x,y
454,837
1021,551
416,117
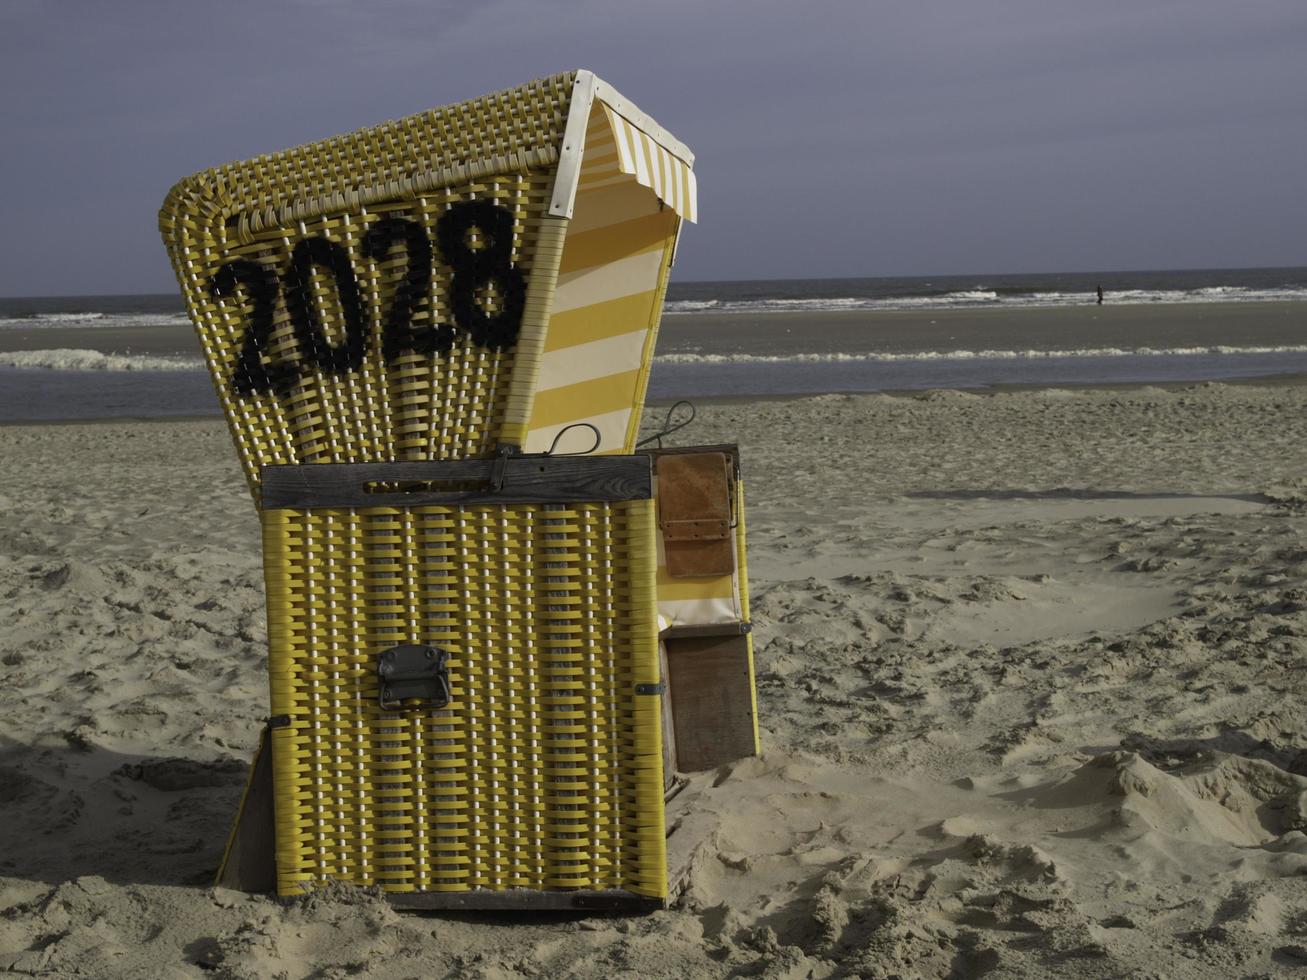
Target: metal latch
x,y
413,671
500,466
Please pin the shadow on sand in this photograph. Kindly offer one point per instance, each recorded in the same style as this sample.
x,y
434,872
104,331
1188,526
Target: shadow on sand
x,y
68,812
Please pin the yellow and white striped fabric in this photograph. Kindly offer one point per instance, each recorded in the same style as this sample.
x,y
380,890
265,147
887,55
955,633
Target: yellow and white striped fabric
x,y
616,149
609,294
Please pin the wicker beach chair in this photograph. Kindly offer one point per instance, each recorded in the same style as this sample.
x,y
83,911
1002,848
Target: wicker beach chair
x,y
431,340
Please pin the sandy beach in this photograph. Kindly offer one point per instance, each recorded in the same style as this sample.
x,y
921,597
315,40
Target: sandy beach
x,y
1032,685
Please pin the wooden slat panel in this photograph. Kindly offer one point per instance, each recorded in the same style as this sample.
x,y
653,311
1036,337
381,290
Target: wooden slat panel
x,y
712,701
669,724
250,862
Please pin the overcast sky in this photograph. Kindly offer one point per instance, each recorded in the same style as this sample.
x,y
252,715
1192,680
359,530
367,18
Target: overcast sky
x,y
833,138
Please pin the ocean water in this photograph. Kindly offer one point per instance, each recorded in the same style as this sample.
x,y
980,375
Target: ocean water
x,y
988,292
136,356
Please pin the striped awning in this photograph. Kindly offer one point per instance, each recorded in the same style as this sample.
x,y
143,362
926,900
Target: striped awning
x,y
625,184
640,156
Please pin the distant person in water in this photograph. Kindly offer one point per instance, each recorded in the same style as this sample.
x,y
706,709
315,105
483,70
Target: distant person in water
x,y
1100,295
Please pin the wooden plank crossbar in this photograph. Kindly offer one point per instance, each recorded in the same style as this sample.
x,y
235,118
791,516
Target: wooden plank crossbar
x,y
522,480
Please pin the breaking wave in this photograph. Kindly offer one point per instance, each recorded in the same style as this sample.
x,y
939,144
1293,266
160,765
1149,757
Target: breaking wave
x,y
70,359
106,321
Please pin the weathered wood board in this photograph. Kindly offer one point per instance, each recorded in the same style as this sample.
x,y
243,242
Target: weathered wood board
x,y
712,700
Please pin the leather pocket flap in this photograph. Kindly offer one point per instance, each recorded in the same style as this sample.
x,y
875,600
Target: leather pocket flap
x,y
694,513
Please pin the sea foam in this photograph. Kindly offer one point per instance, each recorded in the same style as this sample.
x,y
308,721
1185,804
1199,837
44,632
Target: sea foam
x,y
72,359
101,321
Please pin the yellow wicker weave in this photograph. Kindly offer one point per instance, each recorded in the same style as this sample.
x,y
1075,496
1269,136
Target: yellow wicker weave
x,y
387,295
544,772
500,149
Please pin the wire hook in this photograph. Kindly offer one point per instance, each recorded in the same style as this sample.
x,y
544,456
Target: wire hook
x,y
567,428
668,427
